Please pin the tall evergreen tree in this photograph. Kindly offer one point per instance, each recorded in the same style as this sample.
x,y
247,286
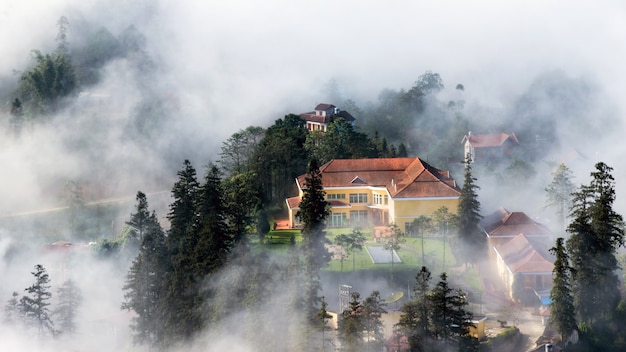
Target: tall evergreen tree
x,y
451,322
421,291
373,309
472,241
34,305
12,309
313,212
562,313
597,231
145,287
350,326
182,319
214,240
324,317
70,299
139,220
559,193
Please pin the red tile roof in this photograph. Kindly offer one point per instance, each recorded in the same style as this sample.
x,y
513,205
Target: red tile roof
x,y
324,107
490,140
522,255
312,117
294,202
403,177
503,223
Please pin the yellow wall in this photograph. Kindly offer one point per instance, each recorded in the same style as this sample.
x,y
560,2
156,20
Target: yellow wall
x,y
395,211
479,330
407,210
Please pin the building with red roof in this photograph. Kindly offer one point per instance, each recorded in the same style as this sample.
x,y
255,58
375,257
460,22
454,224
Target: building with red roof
x,y
323,115
380,191
525,263
489,147
502,225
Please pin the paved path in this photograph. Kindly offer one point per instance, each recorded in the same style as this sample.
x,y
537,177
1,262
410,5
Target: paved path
x,y
499,307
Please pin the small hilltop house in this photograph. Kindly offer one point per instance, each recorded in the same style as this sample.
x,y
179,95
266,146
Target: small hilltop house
x,y
489,147
323,115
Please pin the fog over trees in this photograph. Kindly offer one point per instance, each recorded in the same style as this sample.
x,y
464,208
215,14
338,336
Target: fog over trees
x,y
101,103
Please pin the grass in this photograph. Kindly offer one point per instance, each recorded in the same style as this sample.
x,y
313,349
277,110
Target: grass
x,y
434,252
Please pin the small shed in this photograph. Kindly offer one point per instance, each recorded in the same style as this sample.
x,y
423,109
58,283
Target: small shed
x,y
478,330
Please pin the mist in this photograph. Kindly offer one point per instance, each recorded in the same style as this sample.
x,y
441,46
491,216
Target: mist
x,y
217,67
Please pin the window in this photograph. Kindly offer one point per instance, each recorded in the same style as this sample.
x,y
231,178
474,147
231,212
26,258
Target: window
x,y
358,217
338,219
380,199
358,197
332,196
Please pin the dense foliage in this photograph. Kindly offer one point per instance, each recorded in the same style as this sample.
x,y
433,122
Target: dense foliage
x,y
436,318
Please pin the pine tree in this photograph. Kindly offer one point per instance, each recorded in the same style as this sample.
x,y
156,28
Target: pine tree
x,y
214,241
350,328
182,320
139,220
373,308
562,313
597,231
12,309
451,322
34,305
313,212
402,152
323,316
559,193
415,321
472,240
145,289
69,301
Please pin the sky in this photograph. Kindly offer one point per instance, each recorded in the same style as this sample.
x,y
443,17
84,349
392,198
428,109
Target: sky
x,y
250,63
231,64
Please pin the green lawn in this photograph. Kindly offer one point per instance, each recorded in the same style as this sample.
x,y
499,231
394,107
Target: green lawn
x,y
434,252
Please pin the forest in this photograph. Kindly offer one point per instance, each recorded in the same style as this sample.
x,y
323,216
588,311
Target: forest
x,y
198,265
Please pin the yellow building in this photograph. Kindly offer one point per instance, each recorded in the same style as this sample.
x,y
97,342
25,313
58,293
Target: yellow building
x,y
364,192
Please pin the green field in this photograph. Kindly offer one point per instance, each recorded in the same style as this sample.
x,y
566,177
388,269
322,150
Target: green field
x,y
415,253
412,255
